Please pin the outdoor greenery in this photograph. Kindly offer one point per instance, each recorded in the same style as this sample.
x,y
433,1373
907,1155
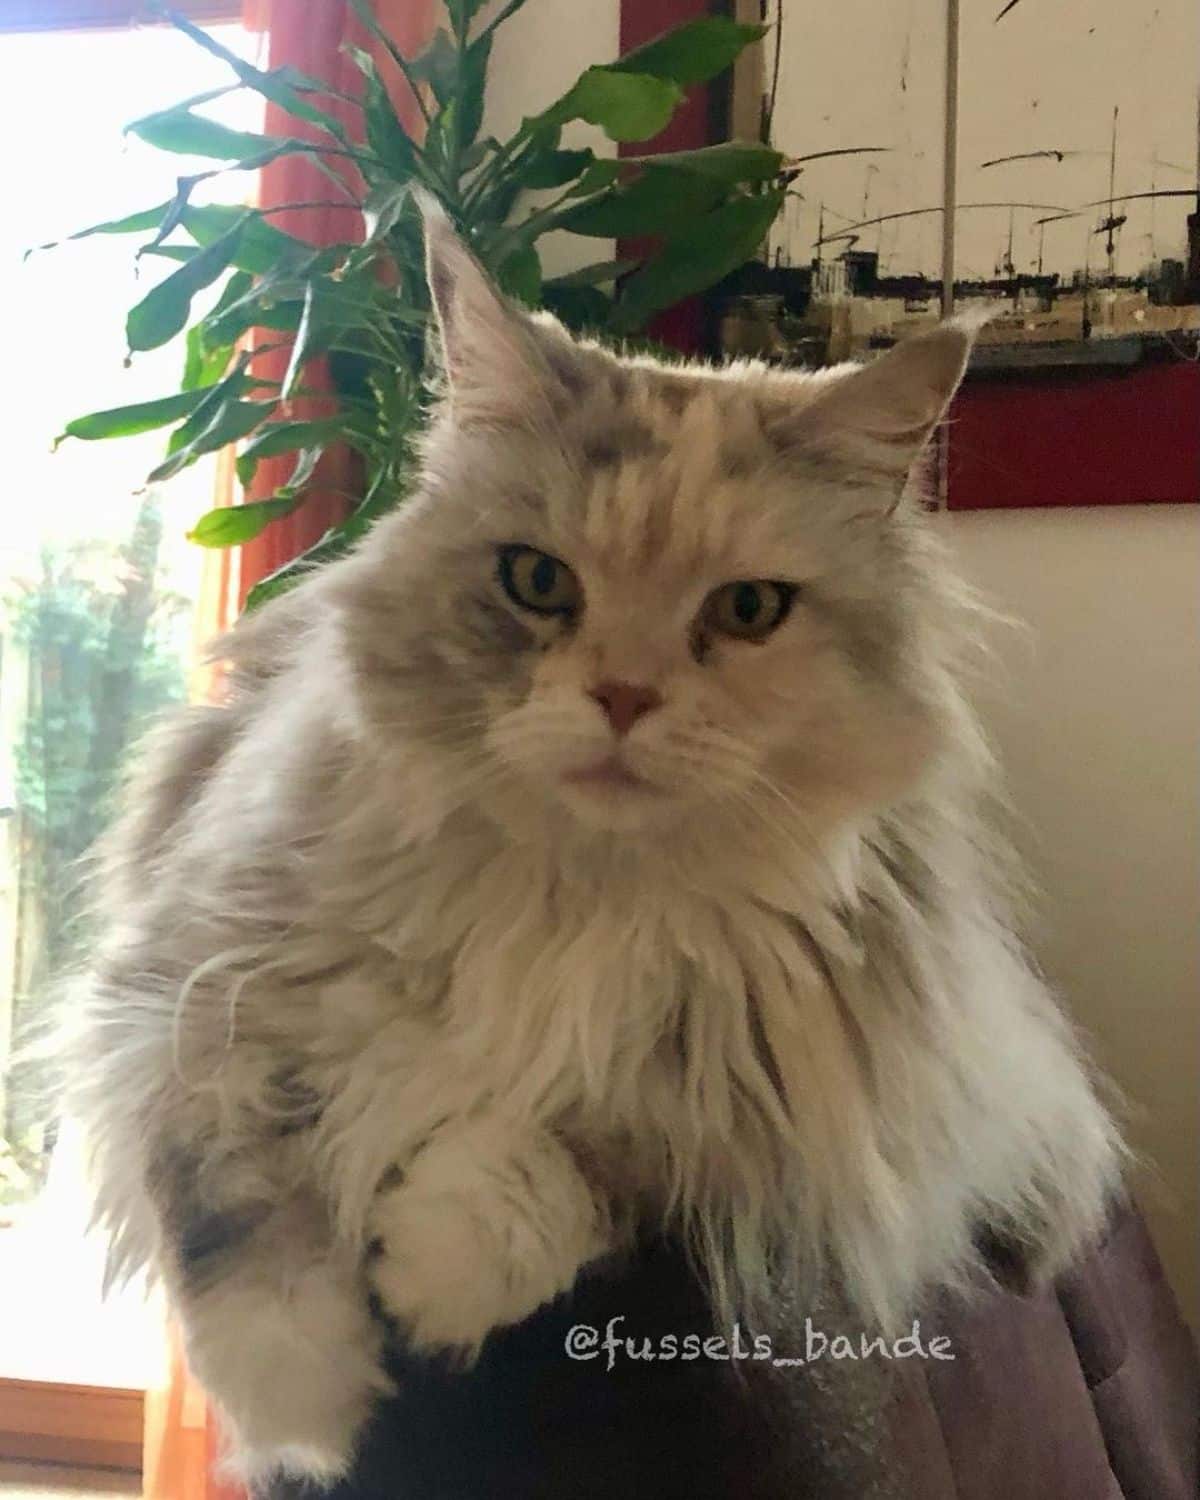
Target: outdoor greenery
x,y
97,628
363,307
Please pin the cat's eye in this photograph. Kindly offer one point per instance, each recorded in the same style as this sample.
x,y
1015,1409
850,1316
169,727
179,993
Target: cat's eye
x,y
539,582
748,609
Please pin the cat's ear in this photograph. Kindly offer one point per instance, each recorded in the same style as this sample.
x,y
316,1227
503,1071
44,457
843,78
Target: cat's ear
x,y
882,414
494,368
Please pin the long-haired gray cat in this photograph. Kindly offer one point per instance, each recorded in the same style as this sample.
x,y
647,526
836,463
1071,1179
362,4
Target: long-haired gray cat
x,y
602,844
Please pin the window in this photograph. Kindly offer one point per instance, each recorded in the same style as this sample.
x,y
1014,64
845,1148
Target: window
x,y
60,15
97,582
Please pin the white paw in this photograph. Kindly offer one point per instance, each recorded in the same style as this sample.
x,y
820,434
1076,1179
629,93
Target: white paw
x,y
482,1229
295,1376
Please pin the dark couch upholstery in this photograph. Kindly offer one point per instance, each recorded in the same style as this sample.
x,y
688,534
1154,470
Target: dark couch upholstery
x,y
1085,1391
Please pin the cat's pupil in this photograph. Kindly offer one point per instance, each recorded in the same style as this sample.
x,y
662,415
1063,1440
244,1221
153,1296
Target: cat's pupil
x,y
543,575
747,603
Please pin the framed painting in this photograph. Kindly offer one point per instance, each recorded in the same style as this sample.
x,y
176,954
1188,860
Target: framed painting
x,y
1039,159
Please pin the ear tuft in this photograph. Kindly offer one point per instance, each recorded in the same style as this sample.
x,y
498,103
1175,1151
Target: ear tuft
x,y
930,367
493,366
886,411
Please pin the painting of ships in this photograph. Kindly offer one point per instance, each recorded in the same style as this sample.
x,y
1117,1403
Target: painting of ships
x,y
842,304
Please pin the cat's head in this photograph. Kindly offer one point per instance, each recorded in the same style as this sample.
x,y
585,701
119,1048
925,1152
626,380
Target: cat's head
x,y
631,595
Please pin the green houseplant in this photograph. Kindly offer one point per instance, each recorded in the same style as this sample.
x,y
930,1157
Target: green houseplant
x,y
362,306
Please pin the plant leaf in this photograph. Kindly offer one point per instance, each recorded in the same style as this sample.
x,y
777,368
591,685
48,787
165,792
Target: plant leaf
x,y
520,275
384,207
351,370
301,344
604,171
231,421
692,53
438,66
580,307
635,97
658,202
550,169
594,275
205,362
260,247
187,134
478,153
713,246
626,106
284,437
207,97
462,13
271,312
235,383
146,218
470,93
184,187
303,471
228,525
730,161
126,421
382,496
283,86
364,10
332,309
387,139
201,365
502,15
177,253
273,300
163,311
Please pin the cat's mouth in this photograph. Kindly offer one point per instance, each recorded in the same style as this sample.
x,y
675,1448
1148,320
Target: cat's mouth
x,y
609,772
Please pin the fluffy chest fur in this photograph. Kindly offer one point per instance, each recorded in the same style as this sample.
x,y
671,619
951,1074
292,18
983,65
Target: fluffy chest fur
x,y
813,1062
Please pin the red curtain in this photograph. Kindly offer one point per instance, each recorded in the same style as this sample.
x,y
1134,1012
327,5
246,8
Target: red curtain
x,y
181,1436
311,37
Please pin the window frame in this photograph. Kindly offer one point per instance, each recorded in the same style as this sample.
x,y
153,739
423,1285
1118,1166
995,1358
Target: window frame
x,y
62,1423
86,15
71,1426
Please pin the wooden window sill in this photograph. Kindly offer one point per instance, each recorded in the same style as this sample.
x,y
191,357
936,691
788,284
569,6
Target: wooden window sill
x,y
81,1425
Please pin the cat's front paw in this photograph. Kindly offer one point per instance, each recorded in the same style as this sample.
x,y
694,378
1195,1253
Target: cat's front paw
x,y
295,1370
483,1227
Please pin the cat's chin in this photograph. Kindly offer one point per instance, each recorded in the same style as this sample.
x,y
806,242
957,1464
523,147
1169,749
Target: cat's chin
x,y
617,803
555,807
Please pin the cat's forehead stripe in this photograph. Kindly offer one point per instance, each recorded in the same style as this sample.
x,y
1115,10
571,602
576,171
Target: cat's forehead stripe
x,y
656,460
621,440
674,395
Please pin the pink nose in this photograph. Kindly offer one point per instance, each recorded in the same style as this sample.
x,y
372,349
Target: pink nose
x,y
625,702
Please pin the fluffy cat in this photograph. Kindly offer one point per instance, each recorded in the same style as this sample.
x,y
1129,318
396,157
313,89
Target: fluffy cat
x,y
603,843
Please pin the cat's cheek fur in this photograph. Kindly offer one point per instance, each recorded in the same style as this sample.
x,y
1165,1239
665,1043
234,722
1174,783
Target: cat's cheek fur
x,y
487,1223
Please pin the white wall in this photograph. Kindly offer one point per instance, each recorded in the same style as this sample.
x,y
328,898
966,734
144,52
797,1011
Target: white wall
x,y
1096,711
540,52
537,56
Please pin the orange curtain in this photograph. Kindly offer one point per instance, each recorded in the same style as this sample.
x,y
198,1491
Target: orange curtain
x,y
311,38
180,1441
181,1437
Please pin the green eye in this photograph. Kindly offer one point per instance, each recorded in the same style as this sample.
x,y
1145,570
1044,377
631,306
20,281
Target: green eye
x,y
537,581
749,609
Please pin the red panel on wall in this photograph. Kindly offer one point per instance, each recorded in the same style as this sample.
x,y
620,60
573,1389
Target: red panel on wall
x,y
1093,439
642,21
679,327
